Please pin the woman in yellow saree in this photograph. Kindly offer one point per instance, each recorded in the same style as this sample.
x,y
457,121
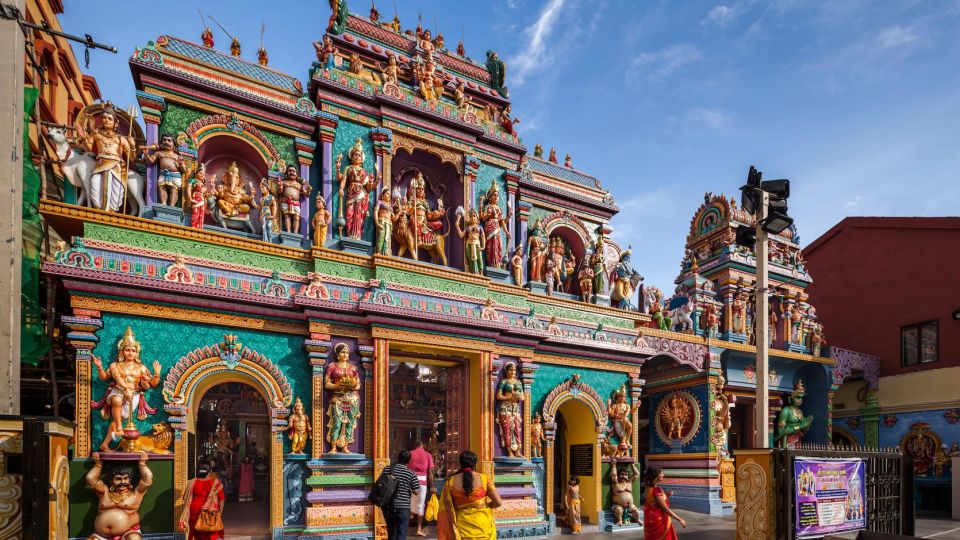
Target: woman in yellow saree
x,y
467,503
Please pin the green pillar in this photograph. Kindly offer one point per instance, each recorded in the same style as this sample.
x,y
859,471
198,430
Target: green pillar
x,y
871,422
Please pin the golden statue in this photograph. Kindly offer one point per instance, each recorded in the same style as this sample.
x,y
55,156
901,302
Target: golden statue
x,y
300,428
676,414
233,199
619,412
124,396
108,181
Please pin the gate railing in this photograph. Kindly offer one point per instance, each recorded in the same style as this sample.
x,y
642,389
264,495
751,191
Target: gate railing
x,y
888,482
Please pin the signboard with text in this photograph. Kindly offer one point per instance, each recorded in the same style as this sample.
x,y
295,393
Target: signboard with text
x,y
830,496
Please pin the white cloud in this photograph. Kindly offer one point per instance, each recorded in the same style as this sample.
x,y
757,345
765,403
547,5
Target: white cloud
x,y
536,55
656,66
720,15
895,37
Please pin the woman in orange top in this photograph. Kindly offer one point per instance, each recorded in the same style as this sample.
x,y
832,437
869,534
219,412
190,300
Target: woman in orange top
x,y
657,522
467,503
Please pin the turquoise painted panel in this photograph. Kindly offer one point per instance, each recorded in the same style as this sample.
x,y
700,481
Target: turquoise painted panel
x,y
548,376
486,176
166,341
347,134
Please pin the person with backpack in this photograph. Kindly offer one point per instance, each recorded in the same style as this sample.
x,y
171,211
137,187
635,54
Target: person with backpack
x,y
391,493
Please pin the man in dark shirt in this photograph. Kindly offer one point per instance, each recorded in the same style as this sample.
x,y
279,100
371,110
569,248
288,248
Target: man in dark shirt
x,y
398,514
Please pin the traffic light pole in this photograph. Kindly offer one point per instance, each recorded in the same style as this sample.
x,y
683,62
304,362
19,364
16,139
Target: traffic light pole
x,y
761,316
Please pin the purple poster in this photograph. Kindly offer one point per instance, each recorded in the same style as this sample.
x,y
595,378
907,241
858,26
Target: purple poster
x,y
830,496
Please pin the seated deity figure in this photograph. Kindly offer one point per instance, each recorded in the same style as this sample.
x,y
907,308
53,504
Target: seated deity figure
x,y
233,198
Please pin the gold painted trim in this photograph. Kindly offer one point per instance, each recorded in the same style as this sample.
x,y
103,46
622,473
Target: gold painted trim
x,y
339,330
541,358
129,307
424,361
446,153
342,256
429,270
52,208
435,340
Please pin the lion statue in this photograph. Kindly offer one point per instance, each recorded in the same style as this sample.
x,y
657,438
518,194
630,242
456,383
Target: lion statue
x,y
158,442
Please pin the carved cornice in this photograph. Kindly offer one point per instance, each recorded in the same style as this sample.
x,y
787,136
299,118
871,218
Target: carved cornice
x,y
409,143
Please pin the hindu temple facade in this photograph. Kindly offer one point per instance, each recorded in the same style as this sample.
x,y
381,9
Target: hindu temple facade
x,y
317,276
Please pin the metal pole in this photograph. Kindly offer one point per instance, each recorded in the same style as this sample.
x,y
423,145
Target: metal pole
x,y
761,314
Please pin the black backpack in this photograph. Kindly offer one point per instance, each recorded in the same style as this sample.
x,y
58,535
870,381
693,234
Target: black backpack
x,y
384,489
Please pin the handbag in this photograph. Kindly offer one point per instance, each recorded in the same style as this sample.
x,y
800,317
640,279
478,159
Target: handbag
x,y
433,508
210,520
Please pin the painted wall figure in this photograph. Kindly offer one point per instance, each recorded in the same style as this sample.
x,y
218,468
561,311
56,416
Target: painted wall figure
x,y
321,223
355,185
474,241
118,514
170,169
493,224
108,185
792,425
620,412
621,493
343,409
510,398
292,189
384,222
124,397
299,428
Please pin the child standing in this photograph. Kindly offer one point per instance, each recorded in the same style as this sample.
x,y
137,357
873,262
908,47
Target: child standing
x,y
572,500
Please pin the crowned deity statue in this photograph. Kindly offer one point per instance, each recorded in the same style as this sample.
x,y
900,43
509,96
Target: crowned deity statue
x,y
516,266
473,241
123,399
739,312
170,169
510,396
342,380
292,190
197,194
355,186
233,197
493,224
391,72
384,222
207,37
625,281
425,222
598,263
321,222
585,277
268,211
792,425
619,412
108,184
300,428
796,326
721,413
537,437
326,52
429,79
537,250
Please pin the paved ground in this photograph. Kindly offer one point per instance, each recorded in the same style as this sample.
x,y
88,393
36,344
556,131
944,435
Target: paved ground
x,y
700,527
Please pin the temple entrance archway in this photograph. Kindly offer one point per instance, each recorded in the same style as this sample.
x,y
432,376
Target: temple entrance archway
x,y
570,410
233,435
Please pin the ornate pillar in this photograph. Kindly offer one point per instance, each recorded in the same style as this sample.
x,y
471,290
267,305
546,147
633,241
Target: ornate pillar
x,y
550,434
81,335
636,391
470,171
529,369
366,362
152,107
487,411
305,150
523,215
278,421
328,130
513,180
318,349
381,412
383,148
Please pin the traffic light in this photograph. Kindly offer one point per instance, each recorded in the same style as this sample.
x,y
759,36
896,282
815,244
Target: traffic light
x,y
750,194
746,236
777,219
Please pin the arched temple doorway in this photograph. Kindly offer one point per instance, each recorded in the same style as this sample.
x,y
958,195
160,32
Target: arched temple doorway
x,y
573,414
199,376
233,434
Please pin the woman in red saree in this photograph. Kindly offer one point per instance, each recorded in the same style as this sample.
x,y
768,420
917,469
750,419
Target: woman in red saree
x,y
198,493
657,515
246,480
467,503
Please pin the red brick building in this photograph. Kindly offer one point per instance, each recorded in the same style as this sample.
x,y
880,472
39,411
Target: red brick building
x,y
890,287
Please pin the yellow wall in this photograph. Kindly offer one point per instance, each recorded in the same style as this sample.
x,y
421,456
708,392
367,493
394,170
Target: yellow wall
x,y
580,430
934,388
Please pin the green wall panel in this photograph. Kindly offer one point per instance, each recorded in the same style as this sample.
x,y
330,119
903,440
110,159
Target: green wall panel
x,y
548,376
167,341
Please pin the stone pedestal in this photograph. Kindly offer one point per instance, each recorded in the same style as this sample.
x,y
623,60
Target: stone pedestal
x,y
351,245
538,287
339,485
601,299
168,214
499,274
291,239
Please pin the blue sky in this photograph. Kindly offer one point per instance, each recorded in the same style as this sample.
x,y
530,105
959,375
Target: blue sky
x,y
858,103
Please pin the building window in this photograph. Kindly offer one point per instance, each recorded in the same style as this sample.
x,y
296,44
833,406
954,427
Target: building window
x,y
918,344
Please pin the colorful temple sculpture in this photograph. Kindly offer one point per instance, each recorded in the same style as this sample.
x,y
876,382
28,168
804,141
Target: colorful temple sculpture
x,y
303,281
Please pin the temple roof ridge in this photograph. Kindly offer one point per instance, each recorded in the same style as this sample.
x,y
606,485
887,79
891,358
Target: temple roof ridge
x,y
563,172
226,62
